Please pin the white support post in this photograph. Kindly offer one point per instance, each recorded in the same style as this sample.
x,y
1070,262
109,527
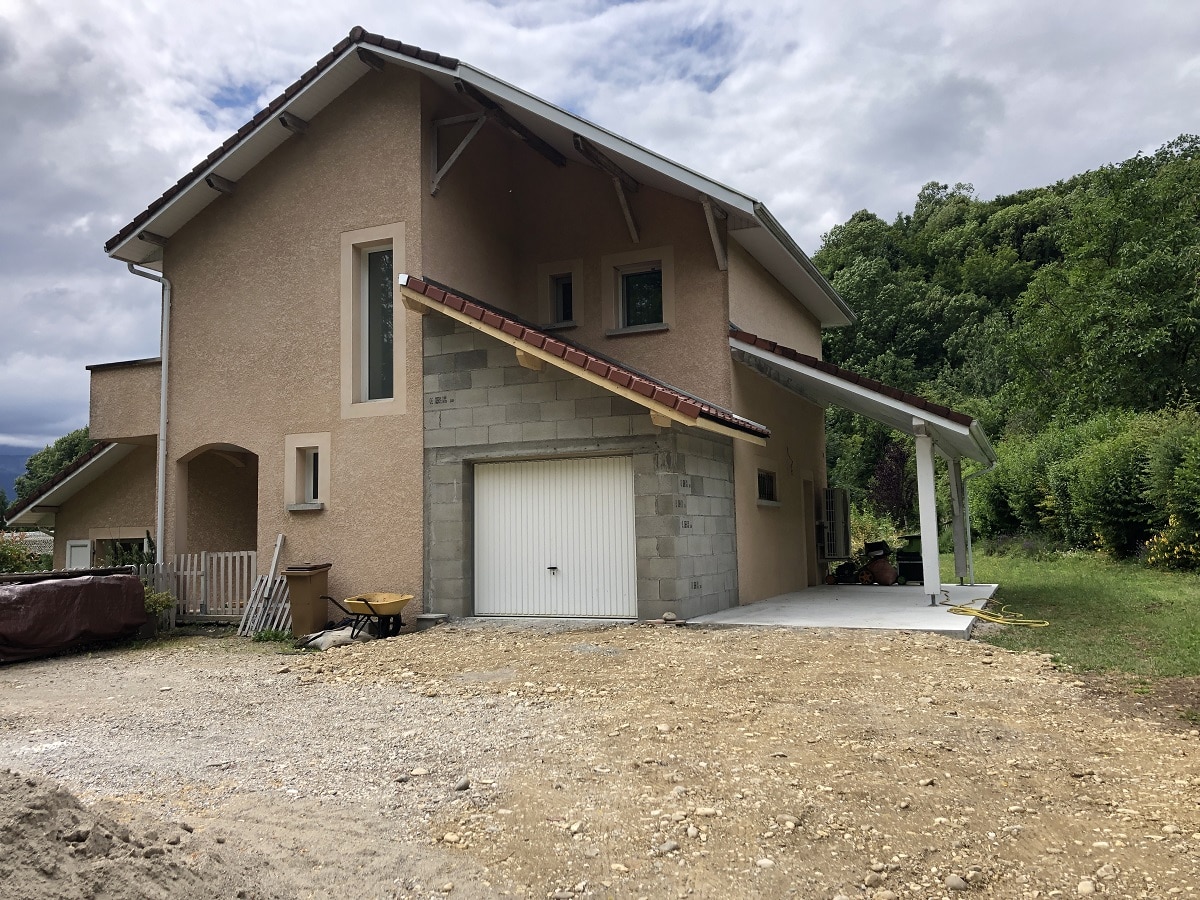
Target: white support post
x,y
960,519
927,502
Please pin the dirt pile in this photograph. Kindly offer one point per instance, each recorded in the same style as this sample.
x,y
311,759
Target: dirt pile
x,y
53,847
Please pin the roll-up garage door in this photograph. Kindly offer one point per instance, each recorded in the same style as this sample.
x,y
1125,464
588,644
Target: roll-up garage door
x,y
555,537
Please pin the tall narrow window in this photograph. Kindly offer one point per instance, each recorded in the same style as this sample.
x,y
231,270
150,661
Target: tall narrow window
x,y
564,305
312,475
378,324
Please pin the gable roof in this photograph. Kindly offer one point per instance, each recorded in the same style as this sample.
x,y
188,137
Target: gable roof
x,y
657,396
826,384
39,507
361,52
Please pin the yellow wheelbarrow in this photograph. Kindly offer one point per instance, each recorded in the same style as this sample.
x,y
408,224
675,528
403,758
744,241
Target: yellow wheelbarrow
x,y
384,609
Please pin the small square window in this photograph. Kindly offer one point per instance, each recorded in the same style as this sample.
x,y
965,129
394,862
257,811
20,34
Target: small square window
x,y
641,301
562,298
768,491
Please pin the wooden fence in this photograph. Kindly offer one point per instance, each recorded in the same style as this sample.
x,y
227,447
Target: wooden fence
x,y
215,584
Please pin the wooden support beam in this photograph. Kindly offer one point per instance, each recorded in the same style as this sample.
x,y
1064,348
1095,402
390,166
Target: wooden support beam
x,y
411,304
659,419
374,60
219,184
597,158
435,185
498,113
529,361
149,237
623,200
710,216
292,123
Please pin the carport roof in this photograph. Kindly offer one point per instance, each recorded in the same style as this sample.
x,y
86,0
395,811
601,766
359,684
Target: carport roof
x,y
955,433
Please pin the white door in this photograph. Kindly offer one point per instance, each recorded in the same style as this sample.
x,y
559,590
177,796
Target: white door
x,y
555,537
79,554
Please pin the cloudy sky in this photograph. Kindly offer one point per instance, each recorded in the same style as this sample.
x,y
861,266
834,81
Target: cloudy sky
x,y
818,108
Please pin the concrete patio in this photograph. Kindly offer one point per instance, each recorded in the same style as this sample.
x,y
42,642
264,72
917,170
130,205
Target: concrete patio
x,y
899,608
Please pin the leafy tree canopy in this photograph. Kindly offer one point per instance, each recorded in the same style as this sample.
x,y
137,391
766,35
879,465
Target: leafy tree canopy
x,y
46,463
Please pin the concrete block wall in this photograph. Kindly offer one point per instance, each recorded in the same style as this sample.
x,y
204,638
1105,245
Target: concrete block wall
x,y
480,405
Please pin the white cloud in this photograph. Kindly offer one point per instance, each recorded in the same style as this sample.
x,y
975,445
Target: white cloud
x,y
819,109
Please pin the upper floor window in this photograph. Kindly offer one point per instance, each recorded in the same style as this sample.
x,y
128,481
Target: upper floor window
x,y
558,304
372,326
637,290
562,289
378,325
641,288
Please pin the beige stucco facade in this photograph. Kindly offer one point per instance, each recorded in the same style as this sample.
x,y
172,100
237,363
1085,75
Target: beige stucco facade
x,y
264,335
120,505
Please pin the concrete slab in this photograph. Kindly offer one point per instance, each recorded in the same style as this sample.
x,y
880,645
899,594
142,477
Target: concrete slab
x,y
899,608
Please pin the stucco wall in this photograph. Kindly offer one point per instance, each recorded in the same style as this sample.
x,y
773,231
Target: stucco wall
x,y
255,343
776,545
222,509
480,406
121,501
124,402
761,305
503,210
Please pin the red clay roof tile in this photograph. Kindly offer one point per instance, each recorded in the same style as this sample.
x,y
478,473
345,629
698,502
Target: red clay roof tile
x,y
852,377
691,407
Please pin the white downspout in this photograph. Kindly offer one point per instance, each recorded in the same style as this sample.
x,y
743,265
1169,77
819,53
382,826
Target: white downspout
x,y
160,488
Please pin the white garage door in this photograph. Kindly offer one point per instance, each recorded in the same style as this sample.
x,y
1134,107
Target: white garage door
x,y
555,538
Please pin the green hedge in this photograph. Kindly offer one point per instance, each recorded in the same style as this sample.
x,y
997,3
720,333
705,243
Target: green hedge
x,y
1127,484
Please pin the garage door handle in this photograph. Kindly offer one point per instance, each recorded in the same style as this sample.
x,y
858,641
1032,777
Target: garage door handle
x,y
553,569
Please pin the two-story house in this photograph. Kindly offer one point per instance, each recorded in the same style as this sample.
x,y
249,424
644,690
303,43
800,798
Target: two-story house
x,y
461,343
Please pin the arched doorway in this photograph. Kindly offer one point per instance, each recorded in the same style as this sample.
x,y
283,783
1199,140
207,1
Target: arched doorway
x,y
216,528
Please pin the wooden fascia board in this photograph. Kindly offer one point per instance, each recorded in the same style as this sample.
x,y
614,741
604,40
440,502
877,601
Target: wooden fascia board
x,y
410,296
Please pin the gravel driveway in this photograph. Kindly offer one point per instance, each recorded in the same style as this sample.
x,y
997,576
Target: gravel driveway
x,y
622,761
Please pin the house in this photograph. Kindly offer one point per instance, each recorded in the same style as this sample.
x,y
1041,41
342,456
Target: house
x,y
461,343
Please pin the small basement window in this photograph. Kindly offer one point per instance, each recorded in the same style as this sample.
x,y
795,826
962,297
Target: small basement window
x,y
768,489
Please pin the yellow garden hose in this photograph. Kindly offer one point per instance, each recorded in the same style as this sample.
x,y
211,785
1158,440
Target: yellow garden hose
x,y
1001,616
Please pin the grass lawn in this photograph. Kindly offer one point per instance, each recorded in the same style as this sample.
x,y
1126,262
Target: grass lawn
x,y
1105,617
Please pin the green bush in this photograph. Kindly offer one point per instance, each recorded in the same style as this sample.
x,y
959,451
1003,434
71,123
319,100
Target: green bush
x,y
15,555
1109,491
157,602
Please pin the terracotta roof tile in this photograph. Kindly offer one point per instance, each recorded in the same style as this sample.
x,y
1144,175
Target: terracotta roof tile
x,y
583,358
852,377
358,35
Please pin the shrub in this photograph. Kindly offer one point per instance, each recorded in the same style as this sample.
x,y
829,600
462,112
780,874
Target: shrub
x,y
157,602
15,556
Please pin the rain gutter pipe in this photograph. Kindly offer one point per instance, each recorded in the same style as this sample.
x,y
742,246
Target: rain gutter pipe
x,y
160,487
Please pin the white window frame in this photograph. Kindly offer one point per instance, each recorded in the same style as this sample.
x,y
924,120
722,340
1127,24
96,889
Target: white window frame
x,y
547,302
614,267
364,337
355,246
300,453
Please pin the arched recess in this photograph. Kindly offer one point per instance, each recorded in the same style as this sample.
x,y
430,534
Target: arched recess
x,y
216,497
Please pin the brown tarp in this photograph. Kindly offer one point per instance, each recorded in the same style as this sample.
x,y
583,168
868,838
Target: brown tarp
x,y
47,616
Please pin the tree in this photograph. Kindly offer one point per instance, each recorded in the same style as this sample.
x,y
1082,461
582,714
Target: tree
x,y
3,505
47,463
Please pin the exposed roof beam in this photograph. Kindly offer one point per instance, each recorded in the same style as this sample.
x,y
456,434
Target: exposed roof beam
x,y
623,199
149,237
222,185
597,158
711,213
372,59
293,123
497,112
